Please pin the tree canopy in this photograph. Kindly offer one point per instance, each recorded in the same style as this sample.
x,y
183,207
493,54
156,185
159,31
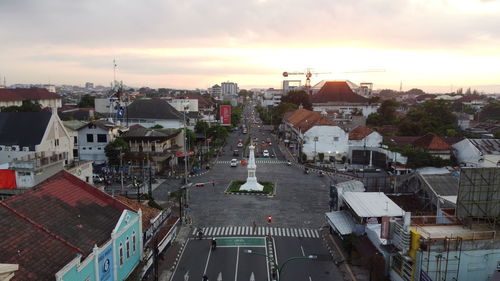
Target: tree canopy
x,y
385,115
86,101
27,106
432,116
491,111
298,98
112,150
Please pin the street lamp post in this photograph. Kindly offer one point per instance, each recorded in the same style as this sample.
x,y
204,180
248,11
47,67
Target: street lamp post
x,y
315,141
280,268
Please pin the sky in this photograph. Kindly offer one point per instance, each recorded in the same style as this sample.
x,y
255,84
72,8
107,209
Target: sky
x,y
436,45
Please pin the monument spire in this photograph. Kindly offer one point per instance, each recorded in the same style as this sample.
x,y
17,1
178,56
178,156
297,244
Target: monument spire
x,y
252,183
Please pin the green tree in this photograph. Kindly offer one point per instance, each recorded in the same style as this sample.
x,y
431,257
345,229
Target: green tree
x,y
298,98
280,110
157,126
491,111
385,115
190,138
27,106
87,101
217,133
433,116
201,127
112,150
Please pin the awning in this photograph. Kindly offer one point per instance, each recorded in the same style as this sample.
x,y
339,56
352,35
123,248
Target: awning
x,y
341,221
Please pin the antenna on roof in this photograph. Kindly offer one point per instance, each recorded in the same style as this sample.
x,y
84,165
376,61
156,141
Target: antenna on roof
x,y
401,86
114,72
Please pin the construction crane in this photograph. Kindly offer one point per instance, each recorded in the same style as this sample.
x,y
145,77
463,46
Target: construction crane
x,y
309,73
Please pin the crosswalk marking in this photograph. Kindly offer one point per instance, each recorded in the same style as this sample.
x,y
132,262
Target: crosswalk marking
x,y
259,231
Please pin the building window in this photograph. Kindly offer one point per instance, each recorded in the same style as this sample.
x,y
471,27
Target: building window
x,y
335,138
75,153
84,148
99,148
121,254
127,245
87,179
90,148
153,147
134,247
56,142
140,148
90,138
102,138
75,140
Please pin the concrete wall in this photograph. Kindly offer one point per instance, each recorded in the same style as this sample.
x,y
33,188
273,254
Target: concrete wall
x,y
57,139
83,171
332,141
179,104
94,151
347,108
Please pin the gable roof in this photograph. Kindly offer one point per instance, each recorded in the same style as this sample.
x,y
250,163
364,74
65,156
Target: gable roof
x,y
103,124
432,142
23,128
202,101
39,253
359,133
20,94
153,109
148,213
151,133
304,119
337,91
71,209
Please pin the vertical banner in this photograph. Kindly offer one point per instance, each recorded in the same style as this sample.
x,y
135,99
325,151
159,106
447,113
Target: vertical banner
x,y
7,179
105,260
225,115
385,228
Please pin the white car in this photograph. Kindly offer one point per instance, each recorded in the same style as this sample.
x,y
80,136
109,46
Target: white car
x,y
265,153
234,163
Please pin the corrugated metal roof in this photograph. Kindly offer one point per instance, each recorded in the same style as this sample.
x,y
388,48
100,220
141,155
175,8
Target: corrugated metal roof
x,y
372,204
487,146
341,221
352,185
443,185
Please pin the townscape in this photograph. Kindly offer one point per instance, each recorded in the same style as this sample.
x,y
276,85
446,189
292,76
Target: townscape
x,y
315,176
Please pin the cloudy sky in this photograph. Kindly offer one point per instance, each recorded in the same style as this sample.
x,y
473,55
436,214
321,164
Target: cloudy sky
x,y
433,44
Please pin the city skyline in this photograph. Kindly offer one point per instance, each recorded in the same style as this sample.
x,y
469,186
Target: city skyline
x,y
434,45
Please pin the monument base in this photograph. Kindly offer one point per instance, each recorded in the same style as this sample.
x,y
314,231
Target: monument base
x,y
252,185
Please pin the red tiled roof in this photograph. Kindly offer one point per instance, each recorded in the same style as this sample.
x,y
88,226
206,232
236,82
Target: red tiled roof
x,y
304,119
39,254
148,213
337,91
432,142
359,133
74,210
20,94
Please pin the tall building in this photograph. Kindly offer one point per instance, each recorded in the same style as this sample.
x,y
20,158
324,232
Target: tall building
x,y
229,88
89,85
215,91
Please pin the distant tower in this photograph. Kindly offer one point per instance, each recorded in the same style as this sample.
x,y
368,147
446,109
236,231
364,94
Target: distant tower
x,y
401,86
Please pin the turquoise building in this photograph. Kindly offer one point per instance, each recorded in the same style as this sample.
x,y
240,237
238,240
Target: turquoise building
x,y
112,261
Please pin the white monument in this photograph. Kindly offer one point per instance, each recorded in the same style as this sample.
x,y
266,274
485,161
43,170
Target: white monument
x,y
252,184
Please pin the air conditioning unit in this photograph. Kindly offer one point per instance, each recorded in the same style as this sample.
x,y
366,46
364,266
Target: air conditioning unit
x,y
15,148
26,149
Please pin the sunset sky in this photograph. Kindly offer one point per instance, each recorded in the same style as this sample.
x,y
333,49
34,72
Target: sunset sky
x,y
437,45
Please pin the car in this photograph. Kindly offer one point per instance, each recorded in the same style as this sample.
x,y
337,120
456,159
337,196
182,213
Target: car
x,y
265,153
236,152
234,163
97,178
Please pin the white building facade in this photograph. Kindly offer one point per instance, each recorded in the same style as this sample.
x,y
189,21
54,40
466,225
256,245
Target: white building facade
x,y
229,88
93,138
331,141
480,153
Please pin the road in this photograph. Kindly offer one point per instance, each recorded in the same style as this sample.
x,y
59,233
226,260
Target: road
x,y
247,258
297,212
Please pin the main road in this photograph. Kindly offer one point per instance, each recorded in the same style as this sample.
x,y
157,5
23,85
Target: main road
x,y
297,212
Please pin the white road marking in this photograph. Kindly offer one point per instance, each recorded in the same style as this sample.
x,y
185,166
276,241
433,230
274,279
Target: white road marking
x,y
186,276
208,259
302,249
237,260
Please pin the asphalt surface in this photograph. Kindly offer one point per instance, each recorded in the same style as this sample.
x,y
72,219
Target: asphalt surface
x,y
300,203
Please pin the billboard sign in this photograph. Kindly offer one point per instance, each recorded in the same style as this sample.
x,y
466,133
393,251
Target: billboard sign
x,y
225,115
106,264
7,179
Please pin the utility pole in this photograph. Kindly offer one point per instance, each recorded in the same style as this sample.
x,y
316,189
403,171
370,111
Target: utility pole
x,y
121,171
150,191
